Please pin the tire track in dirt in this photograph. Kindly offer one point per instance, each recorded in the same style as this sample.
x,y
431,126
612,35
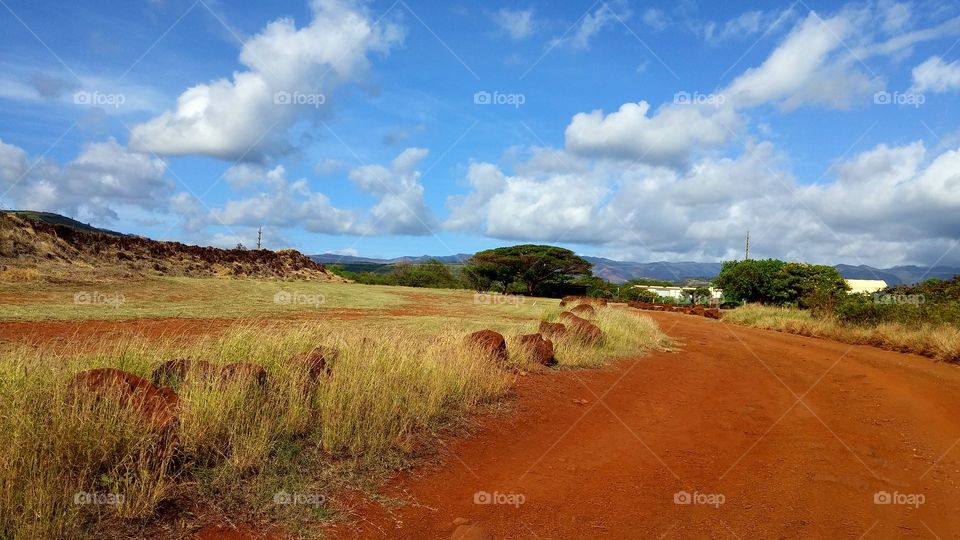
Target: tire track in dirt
x,y
797,434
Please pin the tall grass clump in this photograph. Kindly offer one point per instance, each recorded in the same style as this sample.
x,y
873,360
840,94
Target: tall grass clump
x,y
388,389
938,341
67,461
624,333
72,466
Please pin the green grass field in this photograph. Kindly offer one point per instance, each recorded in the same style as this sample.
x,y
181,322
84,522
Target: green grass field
x,y
247,298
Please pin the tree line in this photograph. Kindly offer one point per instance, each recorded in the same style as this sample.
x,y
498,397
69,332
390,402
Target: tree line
x,y
550,271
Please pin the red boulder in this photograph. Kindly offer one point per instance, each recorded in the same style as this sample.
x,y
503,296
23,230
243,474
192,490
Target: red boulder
x,y
176,370
583,329
245,371
537,349
552,330
317,362
491,342
158,405
584,310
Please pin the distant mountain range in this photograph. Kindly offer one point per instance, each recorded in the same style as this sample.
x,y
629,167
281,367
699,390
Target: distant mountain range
x,y
621,271
334,258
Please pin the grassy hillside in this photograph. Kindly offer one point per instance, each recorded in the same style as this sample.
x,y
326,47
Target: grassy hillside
x,y
56,219
47,247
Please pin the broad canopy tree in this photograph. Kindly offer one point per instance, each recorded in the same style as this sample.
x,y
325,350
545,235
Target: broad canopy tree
x,y
534,268
771,281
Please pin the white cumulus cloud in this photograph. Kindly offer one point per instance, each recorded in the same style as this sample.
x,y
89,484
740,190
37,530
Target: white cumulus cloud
x,y
290,72
935,75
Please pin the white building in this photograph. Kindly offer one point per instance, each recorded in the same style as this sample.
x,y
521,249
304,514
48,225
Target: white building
x,y
866,285
677,293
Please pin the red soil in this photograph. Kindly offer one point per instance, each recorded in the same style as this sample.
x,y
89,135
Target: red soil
x,y
797,434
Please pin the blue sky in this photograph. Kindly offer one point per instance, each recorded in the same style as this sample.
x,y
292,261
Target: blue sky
x,y
632,130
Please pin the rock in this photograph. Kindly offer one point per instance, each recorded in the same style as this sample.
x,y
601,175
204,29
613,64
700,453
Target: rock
x,y
584,310
583,329
460,521
245,371
318,362
491,342
552,330
537,349
175,371
159,405
712,313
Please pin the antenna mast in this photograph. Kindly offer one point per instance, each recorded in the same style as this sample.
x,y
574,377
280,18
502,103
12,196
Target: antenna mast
x,y
259,236
746,252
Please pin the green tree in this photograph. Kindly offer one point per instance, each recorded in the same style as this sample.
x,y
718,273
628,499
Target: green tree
x,y
597,287
771,281
698,295
808,285
629,293
749,280
536,267
432,273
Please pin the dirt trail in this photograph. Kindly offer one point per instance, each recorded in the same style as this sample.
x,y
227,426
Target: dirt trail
x,y
796,434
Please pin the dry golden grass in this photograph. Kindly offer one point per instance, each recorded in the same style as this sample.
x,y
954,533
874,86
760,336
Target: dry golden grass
x,y
19,275
53,445
941,342
238,445
624,332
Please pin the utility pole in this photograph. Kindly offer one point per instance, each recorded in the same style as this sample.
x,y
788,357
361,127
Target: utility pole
x,y
746,253
259,236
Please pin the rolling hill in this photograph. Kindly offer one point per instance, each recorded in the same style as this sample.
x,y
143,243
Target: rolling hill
x,y
36,245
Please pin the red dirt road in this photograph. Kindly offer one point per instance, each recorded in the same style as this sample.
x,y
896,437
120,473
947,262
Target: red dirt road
x,y
795,436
